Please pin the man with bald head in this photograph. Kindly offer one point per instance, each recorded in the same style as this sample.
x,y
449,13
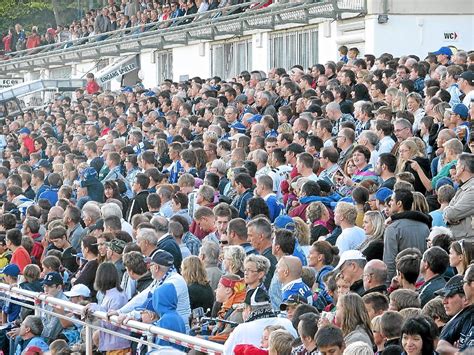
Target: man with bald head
x,y
289,270
374,277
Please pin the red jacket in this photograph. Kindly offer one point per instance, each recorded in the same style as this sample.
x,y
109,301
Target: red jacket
x,y
92,87
29,144
21,258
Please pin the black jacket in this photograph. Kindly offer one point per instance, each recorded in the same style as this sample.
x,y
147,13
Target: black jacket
x,y
137,205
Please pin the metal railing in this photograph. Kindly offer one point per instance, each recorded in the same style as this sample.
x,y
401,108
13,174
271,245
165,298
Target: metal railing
x,y
22,296
205,26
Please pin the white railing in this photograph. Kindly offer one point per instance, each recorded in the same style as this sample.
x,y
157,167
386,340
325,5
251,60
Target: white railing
x,y
21,296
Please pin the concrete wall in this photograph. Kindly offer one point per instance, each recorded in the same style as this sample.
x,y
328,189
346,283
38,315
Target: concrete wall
x,y
260,52
193,60
418,34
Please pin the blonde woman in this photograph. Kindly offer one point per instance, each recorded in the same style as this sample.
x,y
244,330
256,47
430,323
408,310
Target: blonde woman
x,y
200,291
353,319
419,203
408,155
302,234
390,94
399,102
233,260
374,228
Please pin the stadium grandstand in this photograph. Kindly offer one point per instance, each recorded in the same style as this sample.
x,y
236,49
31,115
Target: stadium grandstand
x,y
234,177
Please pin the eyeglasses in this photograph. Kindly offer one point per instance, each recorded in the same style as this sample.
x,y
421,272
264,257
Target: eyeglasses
x,y
400,129
223,242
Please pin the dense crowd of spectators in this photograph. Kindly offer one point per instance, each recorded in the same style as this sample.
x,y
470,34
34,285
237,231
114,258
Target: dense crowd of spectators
x,y
319,211
138,15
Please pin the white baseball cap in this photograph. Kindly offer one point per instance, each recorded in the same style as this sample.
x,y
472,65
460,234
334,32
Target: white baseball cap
x,y
79,290
349,255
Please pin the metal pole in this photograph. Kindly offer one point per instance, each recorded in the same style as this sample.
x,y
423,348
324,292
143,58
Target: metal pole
x,y
89,344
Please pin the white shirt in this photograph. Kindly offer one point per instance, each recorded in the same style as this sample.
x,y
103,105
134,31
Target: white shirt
x,y
468,98
251,332
350,239
386,145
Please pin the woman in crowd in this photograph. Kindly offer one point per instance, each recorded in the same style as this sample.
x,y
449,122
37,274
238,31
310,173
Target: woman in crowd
x,y
87,272
321,259
417,337
352,317
111,191
131,168
374,227
102,241
233,260
179,205
408,152
107,282
319,219
255,269
200,292
399,102
461,255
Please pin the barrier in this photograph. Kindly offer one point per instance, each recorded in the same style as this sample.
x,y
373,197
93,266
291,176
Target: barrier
x,y
206,26
21,296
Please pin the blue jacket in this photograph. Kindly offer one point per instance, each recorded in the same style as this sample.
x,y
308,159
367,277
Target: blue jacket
x,y
328,201
275,207
51,194
165,302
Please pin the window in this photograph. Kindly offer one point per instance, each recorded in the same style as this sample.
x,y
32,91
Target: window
x,y
295,47
229,59
164,61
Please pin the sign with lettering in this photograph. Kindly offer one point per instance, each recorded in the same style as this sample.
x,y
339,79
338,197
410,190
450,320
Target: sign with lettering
x,y
117,70
450,36
8,82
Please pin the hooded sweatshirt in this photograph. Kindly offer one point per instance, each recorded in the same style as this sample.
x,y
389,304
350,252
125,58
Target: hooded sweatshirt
x,y
165,301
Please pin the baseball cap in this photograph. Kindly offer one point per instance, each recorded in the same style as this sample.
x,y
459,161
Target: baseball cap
x,y
452,287
349,255
78,290
117,245
257,297
99,225
293,300
444,181
162,258
53,278
284,222
461,110
255,118
44,163
468,76
24,130
444,50
238,126
11,270
383,193
127,89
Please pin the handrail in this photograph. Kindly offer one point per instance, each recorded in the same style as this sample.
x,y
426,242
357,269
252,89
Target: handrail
x,y
131,325
159,25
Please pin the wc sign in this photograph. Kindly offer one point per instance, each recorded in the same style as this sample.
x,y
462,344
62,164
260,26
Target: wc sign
x,y
450,36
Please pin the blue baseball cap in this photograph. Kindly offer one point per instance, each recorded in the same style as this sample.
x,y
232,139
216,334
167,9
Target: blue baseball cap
x,y
461,110
383,193
255,118
444,51
11,270
284,222
53,278
127,89
444,181
238,126
149,93
24,130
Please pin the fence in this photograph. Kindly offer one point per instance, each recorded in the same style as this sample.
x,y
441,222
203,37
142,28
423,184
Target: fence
x,y
22,296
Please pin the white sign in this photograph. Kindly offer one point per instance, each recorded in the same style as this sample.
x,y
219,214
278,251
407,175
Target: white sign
x,y
6,83
116,70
